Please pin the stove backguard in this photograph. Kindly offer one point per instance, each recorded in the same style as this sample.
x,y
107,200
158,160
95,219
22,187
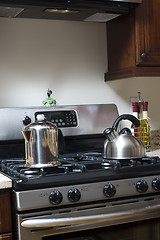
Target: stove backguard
x,y
73,120
82,126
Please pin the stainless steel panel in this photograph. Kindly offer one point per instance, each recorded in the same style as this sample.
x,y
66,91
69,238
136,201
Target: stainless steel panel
x,y
131,1
36,199
92,119
114,213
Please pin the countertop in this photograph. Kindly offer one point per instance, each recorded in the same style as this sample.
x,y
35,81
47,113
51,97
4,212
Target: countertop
x,y
5,182
153,153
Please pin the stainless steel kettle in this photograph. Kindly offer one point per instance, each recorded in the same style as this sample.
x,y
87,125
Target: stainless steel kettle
x,y
123,145
41,143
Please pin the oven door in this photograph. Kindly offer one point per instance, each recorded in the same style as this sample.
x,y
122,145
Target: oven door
x,y
147,230
127,220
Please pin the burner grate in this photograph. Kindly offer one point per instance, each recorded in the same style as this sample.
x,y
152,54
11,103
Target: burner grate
x,y
80,167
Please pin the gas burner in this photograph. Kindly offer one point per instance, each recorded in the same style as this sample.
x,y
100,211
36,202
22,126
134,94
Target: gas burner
x,y
88,156
40,172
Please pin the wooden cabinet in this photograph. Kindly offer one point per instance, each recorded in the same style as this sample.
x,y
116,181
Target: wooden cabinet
x,y
133,42
5,215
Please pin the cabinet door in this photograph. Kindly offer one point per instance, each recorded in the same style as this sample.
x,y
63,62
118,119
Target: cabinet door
x,y
5,212
147,29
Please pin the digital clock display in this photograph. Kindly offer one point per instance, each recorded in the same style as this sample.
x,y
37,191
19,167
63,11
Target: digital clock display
x,y
60,118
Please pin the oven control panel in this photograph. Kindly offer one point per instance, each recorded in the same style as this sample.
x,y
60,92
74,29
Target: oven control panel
x,y
60,118
91,192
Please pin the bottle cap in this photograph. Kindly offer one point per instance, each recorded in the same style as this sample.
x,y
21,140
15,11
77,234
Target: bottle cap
x,y
135,106
145,106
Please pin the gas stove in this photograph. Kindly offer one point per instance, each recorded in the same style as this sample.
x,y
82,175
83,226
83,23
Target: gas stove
x,y
79,176
83,182
82,163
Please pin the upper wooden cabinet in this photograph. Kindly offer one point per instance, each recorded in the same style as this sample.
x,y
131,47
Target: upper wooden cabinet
x,y
133,42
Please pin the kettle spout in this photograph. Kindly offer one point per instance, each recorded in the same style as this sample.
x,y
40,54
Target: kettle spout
x,y
26,135
110,134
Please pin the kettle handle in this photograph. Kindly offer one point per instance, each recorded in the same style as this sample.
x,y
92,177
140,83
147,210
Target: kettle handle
x,y
124,130
129,117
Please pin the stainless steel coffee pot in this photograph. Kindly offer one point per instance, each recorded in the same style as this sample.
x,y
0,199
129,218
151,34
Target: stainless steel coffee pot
x,y
41,143
123,145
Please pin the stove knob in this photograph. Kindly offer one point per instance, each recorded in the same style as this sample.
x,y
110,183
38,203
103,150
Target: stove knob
x,y
55,197
26,120
109,190
156,184
141,186
74,195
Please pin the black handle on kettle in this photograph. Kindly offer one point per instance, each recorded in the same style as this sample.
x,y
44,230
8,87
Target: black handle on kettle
x,y
125,130
129,117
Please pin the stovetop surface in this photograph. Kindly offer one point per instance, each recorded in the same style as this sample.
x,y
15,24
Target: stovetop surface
x,y
76,169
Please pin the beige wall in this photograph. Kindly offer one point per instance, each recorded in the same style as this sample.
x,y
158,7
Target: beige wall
x,y
68,57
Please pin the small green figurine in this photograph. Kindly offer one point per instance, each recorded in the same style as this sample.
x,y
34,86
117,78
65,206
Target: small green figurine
x,y
49,101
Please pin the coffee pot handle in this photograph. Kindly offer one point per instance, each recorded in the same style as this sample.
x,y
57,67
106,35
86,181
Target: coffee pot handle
x,y
61,142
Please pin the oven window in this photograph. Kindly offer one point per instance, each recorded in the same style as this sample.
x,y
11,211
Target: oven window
x,y
147,230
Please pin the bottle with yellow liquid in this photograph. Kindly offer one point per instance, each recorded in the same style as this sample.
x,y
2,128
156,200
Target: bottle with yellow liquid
x,y
145,127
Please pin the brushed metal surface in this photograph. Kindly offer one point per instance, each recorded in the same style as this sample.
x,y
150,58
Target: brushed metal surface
x,y
90,192
124,147
131,1
41,144
58,222
115,213
92,119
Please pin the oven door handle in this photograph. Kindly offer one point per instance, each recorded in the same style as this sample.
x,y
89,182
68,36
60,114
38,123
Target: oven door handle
x,y
69,221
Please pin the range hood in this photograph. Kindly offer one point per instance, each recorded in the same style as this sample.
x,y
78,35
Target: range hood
x,y
77,10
